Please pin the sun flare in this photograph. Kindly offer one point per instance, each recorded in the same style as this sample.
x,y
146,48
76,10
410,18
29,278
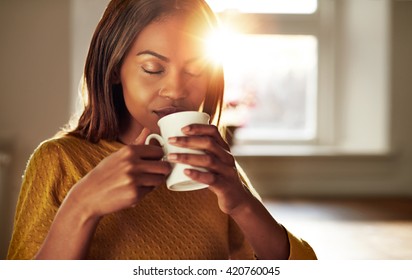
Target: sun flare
x,y
221,43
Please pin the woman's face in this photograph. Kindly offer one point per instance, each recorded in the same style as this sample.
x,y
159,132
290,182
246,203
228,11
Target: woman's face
x,y
164,72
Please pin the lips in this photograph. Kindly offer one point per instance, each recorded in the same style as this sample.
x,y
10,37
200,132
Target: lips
x,y
167,111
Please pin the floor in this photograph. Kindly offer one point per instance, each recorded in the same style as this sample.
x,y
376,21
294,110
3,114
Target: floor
x,y
349,229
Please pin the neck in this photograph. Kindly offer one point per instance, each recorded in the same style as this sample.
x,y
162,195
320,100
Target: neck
x,y
130,129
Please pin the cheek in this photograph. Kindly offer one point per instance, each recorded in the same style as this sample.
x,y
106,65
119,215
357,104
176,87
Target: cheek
x,y
134,96
138,96
198,91
137,91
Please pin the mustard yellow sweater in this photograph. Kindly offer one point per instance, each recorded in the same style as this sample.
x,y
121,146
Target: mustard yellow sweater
x,y
164,225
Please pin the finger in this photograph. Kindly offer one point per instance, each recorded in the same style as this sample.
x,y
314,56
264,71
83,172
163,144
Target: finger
x,y
138,152
150,180
204,143
142,137
153,167
204,129
207,161
207,178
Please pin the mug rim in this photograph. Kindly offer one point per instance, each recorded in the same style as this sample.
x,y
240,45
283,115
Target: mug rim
x,y
183,113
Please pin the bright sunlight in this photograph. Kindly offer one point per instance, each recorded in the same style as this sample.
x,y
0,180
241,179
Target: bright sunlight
x,y
265,6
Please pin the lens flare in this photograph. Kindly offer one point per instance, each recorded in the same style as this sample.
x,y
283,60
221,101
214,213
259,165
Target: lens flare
x,y
220,44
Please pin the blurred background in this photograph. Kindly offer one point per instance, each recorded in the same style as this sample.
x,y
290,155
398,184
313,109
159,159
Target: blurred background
x,y
319,96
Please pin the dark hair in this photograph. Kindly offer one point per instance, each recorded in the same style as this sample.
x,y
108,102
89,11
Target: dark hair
x,y
121,23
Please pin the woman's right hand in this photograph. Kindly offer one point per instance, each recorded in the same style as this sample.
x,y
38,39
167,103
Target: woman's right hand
x,y
122,179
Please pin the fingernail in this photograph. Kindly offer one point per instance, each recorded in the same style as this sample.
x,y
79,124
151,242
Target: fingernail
x,y
186,129
172,140
172,157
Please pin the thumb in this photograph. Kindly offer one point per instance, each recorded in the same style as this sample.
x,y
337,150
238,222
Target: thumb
x,y
142,137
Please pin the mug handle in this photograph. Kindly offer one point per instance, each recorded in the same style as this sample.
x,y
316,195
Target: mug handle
x,y
158,138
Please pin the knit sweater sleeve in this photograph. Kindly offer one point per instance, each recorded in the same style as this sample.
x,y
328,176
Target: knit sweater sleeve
x,y
38,201
299,249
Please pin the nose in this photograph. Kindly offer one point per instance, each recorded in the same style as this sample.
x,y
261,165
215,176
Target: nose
x,y
174,86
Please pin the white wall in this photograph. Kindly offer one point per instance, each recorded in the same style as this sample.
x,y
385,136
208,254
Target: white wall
x,y
35,85
362,77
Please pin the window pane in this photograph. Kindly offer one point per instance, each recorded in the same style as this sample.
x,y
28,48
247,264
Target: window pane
x,y
271,84
265,6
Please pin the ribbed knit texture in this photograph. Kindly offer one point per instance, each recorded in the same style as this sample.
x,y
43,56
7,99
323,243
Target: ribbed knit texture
x,y
164,225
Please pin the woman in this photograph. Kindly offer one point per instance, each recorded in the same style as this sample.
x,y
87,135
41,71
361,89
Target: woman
x,y
98,192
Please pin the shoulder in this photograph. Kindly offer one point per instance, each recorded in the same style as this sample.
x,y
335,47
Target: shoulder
x,y
58,154
48,154
72,154
47,175
64,142
73,145
56,147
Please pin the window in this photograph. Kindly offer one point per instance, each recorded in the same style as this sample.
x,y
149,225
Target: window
x,y
270,57
272,95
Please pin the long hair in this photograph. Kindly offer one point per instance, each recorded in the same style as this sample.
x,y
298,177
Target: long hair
x,y
121,23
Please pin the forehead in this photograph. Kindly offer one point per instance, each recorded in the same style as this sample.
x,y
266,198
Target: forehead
x,y
175,34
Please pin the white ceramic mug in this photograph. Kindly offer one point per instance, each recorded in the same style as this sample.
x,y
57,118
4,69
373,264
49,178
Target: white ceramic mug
x,y
171,126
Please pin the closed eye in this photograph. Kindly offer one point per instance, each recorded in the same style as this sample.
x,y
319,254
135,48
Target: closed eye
x,y
196,69
150,72
194,74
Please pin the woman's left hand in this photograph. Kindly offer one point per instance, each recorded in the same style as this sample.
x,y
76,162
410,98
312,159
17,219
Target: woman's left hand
x,y
222,176
267,238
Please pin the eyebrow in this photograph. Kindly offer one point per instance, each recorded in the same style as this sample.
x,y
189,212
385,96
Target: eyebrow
x,y
164,58
155,54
